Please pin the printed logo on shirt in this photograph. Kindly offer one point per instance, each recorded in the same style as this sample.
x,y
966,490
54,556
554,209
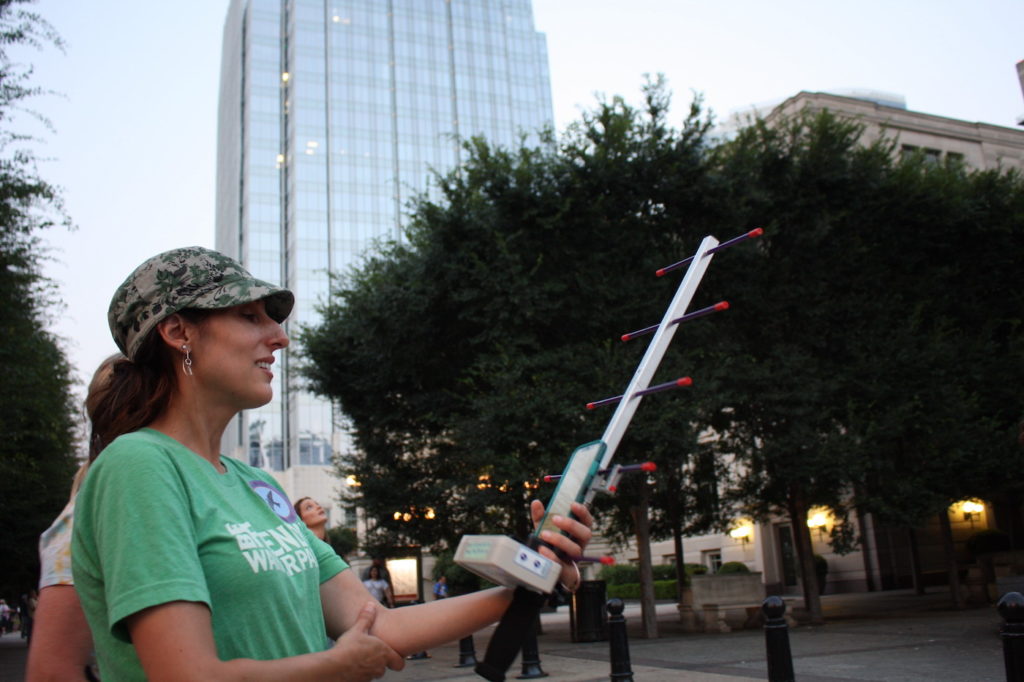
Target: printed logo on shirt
x,y
283,549
275,499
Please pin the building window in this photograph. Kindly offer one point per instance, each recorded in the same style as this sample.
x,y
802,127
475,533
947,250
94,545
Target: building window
x,y
712,559
932,157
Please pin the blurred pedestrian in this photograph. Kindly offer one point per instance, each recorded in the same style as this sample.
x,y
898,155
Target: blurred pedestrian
x,y
379,588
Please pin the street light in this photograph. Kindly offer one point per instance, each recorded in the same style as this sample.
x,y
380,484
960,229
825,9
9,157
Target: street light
x,y
412,512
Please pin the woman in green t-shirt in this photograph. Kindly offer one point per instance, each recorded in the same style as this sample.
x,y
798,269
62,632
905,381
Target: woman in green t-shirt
x,y
191,565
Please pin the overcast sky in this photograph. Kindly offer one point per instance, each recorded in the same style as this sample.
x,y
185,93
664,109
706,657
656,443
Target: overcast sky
x,y
135,131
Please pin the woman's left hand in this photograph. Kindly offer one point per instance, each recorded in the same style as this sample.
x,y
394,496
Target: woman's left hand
x,y
573,544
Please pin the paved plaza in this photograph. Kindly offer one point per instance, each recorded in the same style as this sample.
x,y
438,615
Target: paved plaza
x,y
895,636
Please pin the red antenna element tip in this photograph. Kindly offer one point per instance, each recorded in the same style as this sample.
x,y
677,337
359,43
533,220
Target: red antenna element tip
x,y
549,478
608,560
722,305
660,272
685,381
648,466
626,337
756,232
591,406
612,489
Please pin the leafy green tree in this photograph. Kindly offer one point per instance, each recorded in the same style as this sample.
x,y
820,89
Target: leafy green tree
x,y
465,354
945,374
865,363
36,414
878,369
779,401
344,541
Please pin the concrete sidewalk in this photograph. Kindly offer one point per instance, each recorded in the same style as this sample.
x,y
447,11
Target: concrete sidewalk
x,y
894,636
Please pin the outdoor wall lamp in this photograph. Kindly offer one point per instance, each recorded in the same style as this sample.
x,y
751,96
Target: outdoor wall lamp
x,y
743,533
971,508
818,520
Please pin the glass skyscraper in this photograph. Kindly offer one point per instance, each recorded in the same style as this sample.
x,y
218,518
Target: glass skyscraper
x,y
332,114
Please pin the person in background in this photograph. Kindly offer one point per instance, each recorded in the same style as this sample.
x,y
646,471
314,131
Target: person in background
x,y
61,647
379,588
179,554
441,588
313,515
381,565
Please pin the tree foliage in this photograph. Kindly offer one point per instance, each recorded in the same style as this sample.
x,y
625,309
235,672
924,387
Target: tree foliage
x,y
465,354
886,342
36,415
878,363
344,541
871,357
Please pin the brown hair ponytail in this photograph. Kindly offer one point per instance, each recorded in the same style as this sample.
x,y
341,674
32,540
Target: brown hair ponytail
x,y
137,392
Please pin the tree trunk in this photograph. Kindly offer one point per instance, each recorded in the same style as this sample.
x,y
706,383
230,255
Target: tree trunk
x,y
641,522
681,583
956,594
675,515
805,553
915,562
867,545
1006,512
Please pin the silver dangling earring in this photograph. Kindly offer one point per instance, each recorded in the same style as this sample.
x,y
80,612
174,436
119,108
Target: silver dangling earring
x,y
186,363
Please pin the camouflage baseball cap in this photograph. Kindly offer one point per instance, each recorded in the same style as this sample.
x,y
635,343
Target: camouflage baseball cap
x,y
192,277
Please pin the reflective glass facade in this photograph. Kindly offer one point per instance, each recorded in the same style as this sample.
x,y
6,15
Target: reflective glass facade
x,y
332,113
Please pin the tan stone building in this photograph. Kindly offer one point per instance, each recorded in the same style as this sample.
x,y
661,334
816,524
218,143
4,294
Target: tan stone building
x,y
980,145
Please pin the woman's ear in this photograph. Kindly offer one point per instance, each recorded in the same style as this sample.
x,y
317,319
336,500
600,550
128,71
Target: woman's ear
x,y
176,331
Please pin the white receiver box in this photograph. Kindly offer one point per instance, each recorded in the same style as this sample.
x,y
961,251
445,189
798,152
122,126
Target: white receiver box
x,y
508,562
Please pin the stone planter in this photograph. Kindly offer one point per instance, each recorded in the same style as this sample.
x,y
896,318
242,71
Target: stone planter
x,y
720,603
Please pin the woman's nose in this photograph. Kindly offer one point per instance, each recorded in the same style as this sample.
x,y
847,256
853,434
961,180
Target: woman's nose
x,y
278,338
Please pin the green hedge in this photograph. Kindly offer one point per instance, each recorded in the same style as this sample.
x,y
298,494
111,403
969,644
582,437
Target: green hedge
x,y
733,567
624,574
663,589
988,540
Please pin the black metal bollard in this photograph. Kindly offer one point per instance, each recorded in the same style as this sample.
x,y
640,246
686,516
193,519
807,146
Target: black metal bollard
x,y
776,640
531,655
618,642
1011,608
467,653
